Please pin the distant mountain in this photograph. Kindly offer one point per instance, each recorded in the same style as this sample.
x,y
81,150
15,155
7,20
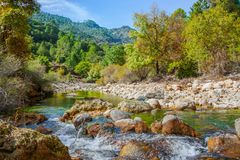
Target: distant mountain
x,y
87,30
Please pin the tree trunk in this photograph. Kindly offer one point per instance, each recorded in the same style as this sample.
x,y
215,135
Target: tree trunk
x,y
157,68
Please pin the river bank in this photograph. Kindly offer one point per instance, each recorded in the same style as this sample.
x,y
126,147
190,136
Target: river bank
x,y
223,93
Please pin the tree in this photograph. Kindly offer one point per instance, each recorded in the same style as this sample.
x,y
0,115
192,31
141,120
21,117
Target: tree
x,y
75,56
150,36
199,6
212,39
114,55
82,69
202,5
43,50
14,26
64,46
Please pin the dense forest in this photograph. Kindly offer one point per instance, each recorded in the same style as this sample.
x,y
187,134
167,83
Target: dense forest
x,y
37,47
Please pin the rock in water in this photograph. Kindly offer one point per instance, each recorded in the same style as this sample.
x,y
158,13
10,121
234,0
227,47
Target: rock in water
x,y
94,107
228,145
134,106
237,126
141,127
128,125
43,130
116,115
125,125
138,150
171,124
81,120
22,118
26,144
156,127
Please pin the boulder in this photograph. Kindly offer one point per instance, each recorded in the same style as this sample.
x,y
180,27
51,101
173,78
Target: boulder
x,y
81,120
125,125
171,124
226,144
94,107
100,129
156,127
26,144
134,106
186,103
116,115
237,126
22,118
154,103
43,130
138,150
141,127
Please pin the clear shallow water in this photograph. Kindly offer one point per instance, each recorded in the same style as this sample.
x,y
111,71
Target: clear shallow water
x,y
107,148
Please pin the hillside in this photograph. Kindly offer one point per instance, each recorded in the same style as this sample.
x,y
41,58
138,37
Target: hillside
x,y
87,30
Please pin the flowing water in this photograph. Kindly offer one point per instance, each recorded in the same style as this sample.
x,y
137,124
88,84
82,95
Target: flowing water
x,y
108,147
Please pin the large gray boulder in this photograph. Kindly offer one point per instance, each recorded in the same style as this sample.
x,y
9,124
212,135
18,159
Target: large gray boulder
x,y
116,115
134,106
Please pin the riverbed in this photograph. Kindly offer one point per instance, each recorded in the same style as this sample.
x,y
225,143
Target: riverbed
x,y
208,123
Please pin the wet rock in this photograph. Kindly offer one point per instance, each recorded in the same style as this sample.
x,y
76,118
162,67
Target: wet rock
x,y
227,144
100,129
237,126
134,106
171,124
43,130
128,125
26,144
81,120
138,150
141,127
154,103
156,127
95,107
116,115
22,118
125,125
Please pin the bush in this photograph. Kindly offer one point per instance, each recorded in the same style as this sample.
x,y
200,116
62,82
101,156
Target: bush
x,y
117,73
183,69
82,69
95,73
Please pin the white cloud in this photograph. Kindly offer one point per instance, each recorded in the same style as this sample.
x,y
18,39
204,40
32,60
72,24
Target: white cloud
x,y
65,8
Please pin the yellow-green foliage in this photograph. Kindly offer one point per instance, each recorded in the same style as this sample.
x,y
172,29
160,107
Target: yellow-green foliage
x,y
213,39
117,73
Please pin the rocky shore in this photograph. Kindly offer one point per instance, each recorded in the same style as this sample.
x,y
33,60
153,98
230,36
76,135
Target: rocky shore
x,y
202,94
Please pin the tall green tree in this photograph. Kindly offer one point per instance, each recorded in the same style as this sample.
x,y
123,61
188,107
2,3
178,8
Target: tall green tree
x,y
114,55
150,36
213,39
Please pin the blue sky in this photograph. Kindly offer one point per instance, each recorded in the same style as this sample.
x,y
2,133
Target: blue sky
x,y
109,13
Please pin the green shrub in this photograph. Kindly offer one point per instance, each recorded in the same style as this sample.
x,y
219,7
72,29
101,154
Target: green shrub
x,y
183,69
95,73
82,69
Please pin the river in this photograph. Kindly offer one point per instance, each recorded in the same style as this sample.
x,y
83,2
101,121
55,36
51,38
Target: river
x,y
106,148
